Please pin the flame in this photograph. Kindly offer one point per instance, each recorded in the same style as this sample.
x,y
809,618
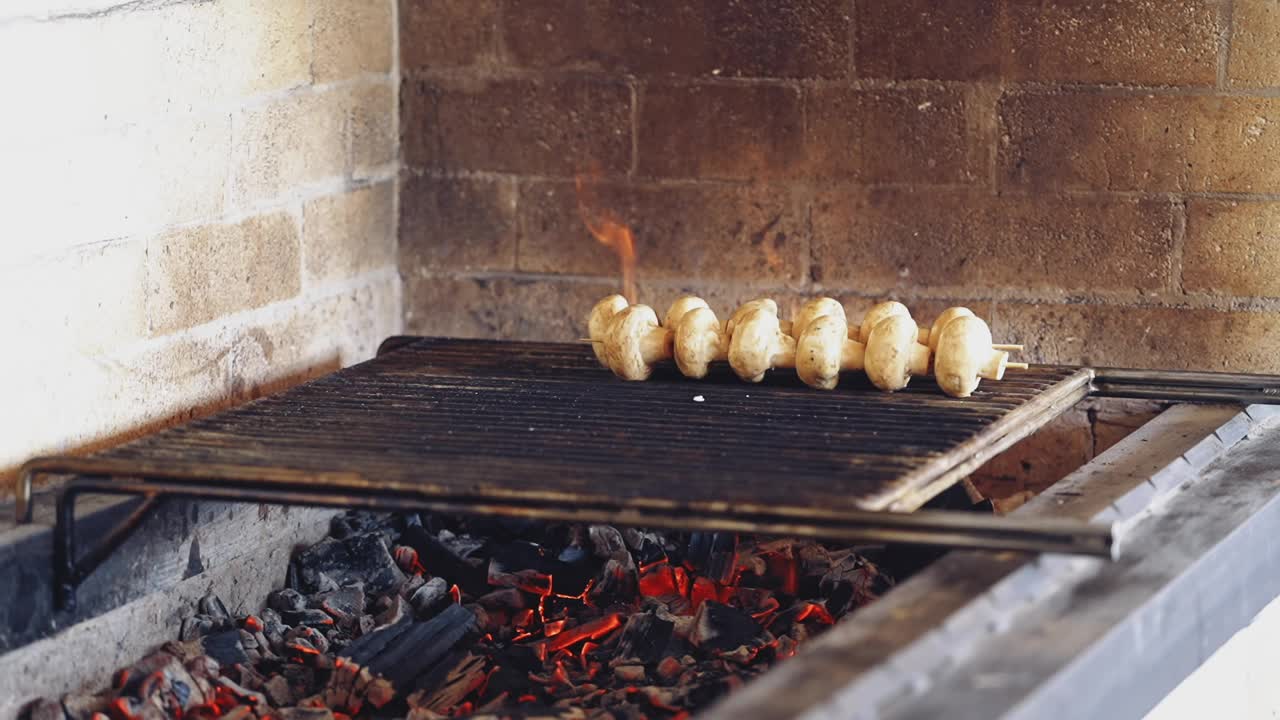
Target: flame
x,y
610,231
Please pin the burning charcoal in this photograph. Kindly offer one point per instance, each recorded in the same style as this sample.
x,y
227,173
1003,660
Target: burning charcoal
x,y
464,676
526,566
608,543
644,638
247,640
196,626
313,637
310,616
670,668
249,677
224,647
286,600
255,700
616,583
212,606
431,598
357,559
712,555
720,627
403,656
441,561
342,605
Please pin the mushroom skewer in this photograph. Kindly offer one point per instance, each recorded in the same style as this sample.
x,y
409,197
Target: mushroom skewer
x,y
630,342
934,333
819,343
965,356
889,353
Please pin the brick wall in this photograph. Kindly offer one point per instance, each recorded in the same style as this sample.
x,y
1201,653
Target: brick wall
x,y
198,206
1099,179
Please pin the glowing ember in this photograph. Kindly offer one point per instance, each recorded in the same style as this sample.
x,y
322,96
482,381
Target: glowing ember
x,y
609,230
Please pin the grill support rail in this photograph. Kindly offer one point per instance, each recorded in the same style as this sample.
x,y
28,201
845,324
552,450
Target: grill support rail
x,y
938,528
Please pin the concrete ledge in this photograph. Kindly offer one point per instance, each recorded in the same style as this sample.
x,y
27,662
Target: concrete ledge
x,y
136,600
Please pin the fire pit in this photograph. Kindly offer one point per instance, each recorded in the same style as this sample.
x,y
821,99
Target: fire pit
x,y
513,618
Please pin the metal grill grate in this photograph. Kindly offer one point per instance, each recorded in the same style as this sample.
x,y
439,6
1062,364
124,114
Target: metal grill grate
x,y
476,421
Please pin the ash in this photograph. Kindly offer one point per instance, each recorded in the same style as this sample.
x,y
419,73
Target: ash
x,y
430,617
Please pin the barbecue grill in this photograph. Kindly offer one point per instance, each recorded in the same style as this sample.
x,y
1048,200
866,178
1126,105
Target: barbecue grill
x,y
539,430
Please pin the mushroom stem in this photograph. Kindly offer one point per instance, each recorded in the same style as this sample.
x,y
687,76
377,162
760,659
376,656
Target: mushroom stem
x,y
655,345
758,344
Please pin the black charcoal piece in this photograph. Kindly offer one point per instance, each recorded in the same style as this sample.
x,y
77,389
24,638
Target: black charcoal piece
x,y
358,523
721,627
224,647
529,567
464,546
441,561
431,598
574,554
503,599
197,626
311,616
286,600
644,638
212,606
276,688
397,609
357,559
648,552
608,543
712,554
343,604
409,653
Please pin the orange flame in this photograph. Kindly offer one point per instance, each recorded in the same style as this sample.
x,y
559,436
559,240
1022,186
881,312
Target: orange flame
x,y
610,231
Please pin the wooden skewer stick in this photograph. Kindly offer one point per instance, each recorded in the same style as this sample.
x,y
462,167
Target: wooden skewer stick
x,y
1007,348
589,340
1016,366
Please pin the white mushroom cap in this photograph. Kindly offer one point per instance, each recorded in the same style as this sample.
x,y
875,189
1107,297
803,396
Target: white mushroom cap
x,y
698,341
766,303
947,316
634,342
965,355
679,308
893,354
759,344
820,351
813,310
880,312
598,323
